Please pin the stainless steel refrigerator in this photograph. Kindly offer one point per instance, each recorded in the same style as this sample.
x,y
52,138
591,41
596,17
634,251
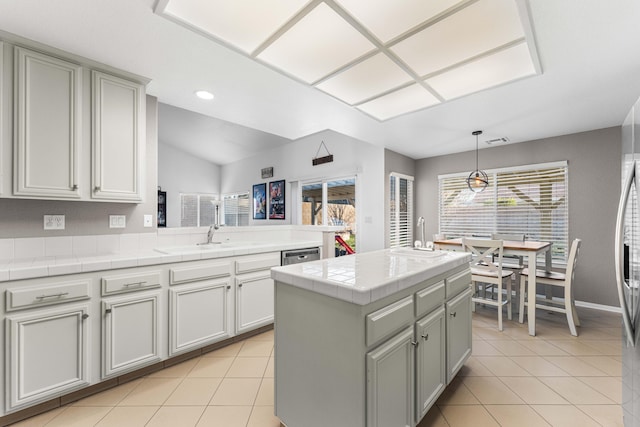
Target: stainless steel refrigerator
x,y
627,256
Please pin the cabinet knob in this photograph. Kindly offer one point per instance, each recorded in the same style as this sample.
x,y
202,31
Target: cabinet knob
x,y
453,314
414,343
240,285
85,316
96,189
426,337
228,286
74,187
107,311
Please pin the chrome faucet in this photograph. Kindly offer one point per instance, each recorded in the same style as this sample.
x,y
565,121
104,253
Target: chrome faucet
x,y
421,225
215,225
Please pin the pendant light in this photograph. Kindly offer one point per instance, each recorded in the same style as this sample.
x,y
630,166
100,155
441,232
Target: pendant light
x,y
477,180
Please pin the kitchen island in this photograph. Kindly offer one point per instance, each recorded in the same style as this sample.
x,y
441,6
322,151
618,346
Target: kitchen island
x,y
369,340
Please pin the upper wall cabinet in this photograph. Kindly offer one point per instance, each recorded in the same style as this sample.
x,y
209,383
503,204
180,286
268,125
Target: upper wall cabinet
x,y
79,129
117,137
47,125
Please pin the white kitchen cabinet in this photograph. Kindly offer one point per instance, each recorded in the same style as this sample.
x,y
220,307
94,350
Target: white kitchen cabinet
x,y
458,310
431,367
130,332
254,301
390,376
48,122
199,315
47,354
118,135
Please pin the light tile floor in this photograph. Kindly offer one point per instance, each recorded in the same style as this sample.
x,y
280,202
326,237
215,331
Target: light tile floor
x,y
511,379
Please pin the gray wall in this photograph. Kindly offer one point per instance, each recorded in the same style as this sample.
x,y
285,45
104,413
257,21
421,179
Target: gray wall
x,y
594,183
181,172
394,162
24,218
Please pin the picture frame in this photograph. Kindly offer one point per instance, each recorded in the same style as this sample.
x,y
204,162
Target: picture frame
x,y
260,201
277,199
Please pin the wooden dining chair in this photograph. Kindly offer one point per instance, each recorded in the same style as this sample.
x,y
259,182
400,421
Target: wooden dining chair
x,y
487,272
514,263
551,278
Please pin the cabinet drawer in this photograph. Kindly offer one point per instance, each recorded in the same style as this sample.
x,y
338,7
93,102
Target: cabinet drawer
x,y
257,262
458,283
389,319
54,293
429,298
200,272
130,282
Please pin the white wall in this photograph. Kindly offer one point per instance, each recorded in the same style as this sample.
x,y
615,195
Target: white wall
x,y
292,162
180,172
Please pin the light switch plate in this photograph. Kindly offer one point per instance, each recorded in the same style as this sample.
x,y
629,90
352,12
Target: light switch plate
x,y
54,222
117,221
148,220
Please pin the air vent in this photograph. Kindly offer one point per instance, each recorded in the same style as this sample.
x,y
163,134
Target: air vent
x,y
497,141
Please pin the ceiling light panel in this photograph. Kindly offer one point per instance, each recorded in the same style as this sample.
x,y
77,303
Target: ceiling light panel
x,y
402,101
389,19
244,24
365,80
476,29
489,71
318,44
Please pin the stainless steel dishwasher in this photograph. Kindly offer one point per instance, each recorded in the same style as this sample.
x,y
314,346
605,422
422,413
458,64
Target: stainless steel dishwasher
x,y
296,256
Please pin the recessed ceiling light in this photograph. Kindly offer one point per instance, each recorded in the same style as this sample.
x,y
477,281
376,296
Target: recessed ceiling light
x,y
203,94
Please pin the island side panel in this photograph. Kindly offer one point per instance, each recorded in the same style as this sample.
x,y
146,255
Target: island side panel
x,y
319,360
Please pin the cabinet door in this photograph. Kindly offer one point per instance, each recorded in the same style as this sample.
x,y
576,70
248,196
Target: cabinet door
x,y
431,375
390,382
47,354
198,315
118,137
458,332
254,301
129,333
47,125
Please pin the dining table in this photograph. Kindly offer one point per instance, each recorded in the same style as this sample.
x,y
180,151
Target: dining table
x,y
529,249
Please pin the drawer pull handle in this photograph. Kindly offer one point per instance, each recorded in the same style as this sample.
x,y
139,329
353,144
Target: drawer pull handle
x,y
414,343
60,295
107,311
426,337
128,285
453,314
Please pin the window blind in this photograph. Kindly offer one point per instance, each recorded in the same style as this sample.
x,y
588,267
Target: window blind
x,y
236,209
400,210
196,209
531,199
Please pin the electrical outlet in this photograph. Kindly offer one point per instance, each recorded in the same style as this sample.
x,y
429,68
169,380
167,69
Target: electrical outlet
x,y
148,220
117,221
54,222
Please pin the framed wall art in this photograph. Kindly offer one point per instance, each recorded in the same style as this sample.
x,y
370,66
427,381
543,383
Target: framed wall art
x,y
260,201
276,199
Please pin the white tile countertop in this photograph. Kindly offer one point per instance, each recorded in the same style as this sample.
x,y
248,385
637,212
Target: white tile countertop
x,y
367,277
43,266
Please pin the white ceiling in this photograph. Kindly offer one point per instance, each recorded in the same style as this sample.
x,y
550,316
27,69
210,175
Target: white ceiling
x,y
588,52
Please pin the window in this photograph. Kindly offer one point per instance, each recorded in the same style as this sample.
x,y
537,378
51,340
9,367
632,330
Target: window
x,y
527,199
236,209
400,210
196,209
332,202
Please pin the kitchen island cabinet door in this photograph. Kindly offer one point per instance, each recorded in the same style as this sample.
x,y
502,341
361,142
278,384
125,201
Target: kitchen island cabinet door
x,y
458,332
130,332
390,382
431,366
254,301
47,354
199,315
118,118
47,126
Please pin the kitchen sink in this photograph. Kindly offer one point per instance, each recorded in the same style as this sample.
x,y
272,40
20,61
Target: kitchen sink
x,y
416,252
204,247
